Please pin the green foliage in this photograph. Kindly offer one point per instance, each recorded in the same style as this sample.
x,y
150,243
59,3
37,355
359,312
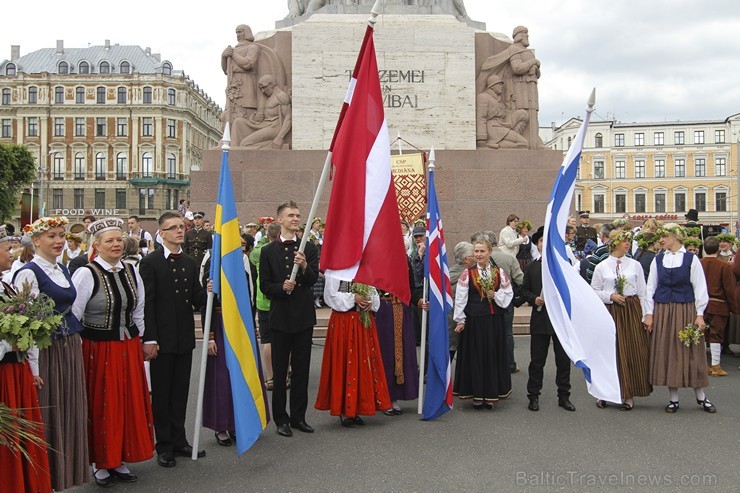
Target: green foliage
x,y
17,171
27,320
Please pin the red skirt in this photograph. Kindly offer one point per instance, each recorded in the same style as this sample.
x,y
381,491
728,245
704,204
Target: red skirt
x,y
352,376
119,409
18,473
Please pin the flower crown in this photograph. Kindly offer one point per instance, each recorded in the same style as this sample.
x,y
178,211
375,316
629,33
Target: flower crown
x,y
74,237
620,223
726,237
645,239
266,220
691,241
695,232
522,225
615,240
44,224
675,230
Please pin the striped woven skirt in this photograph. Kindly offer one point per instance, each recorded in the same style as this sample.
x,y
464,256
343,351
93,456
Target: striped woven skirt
x,y
633,348
63,403
671,363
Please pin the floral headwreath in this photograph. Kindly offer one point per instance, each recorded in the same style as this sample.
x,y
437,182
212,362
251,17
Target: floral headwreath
x,y
726,237
522,225
44,224
619,238
620,223
645,239
673,229
695,232
690,241
74,237
266,220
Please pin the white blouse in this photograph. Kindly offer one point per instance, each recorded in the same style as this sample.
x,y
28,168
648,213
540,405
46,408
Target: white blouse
x,y
698,281
502,297
52,270
343,302
605,278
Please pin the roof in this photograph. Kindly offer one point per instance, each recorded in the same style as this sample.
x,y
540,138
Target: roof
x,y
47,60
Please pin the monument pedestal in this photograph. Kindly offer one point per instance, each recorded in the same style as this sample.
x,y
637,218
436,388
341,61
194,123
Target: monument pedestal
x,y
477,189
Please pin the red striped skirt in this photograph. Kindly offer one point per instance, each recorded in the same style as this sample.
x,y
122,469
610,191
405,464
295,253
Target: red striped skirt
x,y
352,375
119,409
18,473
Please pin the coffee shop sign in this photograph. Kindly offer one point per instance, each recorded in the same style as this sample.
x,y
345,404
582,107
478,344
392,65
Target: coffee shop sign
x,y
87,212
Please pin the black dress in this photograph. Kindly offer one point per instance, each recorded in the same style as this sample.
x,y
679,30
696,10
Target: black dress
x,y
482,371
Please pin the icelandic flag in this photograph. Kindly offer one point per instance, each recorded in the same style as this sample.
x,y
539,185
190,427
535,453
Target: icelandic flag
x,y
438,397
581,321
230,284
363,240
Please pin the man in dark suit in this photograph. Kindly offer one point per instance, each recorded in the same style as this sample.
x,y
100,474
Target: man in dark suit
x,y
541,331
292,317
172,289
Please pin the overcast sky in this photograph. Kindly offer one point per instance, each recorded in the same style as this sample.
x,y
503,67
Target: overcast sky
x,y
650,60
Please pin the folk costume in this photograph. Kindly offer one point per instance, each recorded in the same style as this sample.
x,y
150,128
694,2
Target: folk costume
x,y
352,380
633,354
721,290
17,391
291,320
172,290
110,305
62,397
482,372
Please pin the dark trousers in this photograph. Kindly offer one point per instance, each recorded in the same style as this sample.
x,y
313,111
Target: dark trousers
x,y
538,349
716,326
292,350
170,385
509,328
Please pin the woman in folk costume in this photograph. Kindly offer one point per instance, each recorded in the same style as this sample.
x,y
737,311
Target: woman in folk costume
x,y
18,381
72,250
352,377
676,297
397,344
110,305
620,284
483,291
62,394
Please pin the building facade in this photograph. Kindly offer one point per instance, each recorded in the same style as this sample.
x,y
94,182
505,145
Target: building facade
x,y
115,129
658,170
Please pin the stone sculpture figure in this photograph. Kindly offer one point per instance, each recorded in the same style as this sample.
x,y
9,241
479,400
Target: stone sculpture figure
x,y
243,65
274,120
498,126
519,70
454,7
297,8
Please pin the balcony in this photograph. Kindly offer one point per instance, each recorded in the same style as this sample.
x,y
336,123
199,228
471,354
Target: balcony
x,y
143,179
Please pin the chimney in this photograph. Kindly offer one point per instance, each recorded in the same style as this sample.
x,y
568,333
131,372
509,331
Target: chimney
x,y
60,46
147,51
107,44
15,52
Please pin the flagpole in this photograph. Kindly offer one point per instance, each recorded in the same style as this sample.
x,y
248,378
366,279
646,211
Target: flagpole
x,y
425,296
374,13
206,334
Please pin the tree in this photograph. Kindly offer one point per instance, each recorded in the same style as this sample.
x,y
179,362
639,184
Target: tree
x,y
17,171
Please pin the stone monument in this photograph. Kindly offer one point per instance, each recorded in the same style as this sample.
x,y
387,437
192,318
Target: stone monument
x,y
445,81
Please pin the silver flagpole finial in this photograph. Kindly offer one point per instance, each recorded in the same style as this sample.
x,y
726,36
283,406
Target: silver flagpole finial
x,y
375,12
432,158
226,139
591,100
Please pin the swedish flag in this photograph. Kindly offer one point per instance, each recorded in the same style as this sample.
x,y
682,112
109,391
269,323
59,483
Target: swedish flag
x,y
230,284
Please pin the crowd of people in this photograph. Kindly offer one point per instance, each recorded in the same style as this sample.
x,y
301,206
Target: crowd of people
x,y
113,387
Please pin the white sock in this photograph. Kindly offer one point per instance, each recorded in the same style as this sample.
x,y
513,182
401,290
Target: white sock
x,y
716,349
123,468
100,473
673,394
699,393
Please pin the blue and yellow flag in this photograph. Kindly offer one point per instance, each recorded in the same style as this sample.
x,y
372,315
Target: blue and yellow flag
x,y
230,285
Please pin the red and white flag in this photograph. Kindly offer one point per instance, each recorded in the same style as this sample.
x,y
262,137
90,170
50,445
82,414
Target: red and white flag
x,y
363,240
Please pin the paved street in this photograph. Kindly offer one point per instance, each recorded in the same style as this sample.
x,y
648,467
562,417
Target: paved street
x,y
506,449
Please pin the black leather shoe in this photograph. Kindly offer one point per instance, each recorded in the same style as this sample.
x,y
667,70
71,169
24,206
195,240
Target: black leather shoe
x,y
284,430
187,451
534,404
567,405
105,482
166,459
124,477
303,426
